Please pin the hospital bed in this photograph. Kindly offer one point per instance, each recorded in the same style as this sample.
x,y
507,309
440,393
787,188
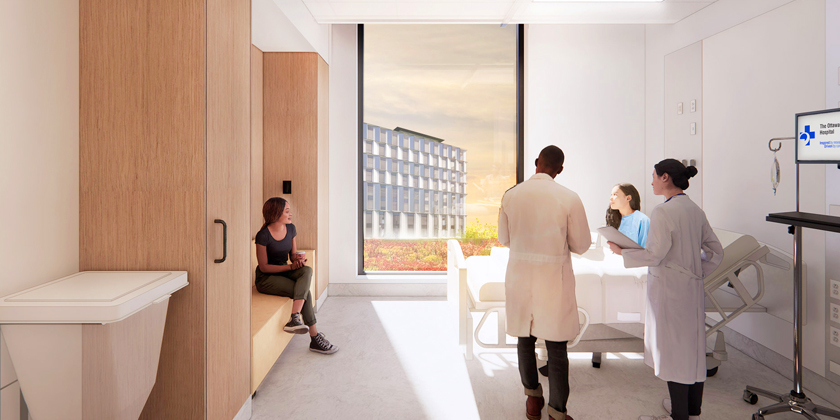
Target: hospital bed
x,y
611,298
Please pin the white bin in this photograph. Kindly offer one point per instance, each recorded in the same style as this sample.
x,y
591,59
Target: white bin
x,y
87,346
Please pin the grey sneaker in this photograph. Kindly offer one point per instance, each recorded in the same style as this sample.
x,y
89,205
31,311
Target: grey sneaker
x,y
320,344
295,325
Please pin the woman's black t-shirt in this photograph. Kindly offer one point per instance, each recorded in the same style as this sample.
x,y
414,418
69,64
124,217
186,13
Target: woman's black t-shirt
x,y
278,251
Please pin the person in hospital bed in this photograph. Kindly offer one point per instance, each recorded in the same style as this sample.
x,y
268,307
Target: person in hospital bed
x,y
681,250
624,213
542,221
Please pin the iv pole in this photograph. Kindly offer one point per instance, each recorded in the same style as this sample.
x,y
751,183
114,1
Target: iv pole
x,y
796,401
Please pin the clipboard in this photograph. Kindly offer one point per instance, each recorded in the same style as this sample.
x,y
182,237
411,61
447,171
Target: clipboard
x,y
613,235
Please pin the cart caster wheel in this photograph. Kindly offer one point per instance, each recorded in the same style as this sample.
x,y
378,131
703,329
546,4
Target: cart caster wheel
x,y
712,372
596,365
757,416
751,398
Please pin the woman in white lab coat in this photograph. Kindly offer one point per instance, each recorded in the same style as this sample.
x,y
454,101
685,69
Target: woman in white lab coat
x,y
681,250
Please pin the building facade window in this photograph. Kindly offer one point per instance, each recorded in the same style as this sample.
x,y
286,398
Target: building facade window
x,y
417,124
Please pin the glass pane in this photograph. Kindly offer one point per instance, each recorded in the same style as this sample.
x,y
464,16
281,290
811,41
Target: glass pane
x,y
438,105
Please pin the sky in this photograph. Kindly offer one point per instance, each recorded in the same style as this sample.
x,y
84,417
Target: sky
x,y
455,82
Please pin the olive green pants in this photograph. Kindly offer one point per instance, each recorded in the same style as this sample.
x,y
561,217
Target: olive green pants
x,y
292,284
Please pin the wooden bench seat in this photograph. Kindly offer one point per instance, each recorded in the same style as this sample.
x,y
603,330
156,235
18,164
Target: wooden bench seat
x,y
268,316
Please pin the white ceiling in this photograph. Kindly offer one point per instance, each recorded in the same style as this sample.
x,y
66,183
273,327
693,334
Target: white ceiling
x,y
502,11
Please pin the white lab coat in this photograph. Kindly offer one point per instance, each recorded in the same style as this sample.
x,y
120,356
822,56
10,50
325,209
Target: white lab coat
x,y
542,221
675,334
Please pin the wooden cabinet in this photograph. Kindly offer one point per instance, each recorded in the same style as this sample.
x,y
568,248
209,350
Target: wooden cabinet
x,y
295,141
164,152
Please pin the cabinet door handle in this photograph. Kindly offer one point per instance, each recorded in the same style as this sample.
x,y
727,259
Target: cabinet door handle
x,y
224,239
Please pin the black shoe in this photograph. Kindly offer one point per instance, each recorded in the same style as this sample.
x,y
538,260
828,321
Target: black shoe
x,y
295,325
319,344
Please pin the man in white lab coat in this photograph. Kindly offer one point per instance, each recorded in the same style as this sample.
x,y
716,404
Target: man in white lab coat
x,y
542,222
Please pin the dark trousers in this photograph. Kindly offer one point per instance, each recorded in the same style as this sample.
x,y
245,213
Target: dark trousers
x,y
292,284
558,370
685,399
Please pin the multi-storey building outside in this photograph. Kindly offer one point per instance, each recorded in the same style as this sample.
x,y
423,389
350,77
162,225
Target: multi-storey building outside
x,y
415,186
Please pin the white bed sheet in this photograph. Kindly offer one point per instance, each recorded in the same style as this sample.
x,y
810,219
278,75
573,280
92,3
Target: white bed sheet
x,y
609,292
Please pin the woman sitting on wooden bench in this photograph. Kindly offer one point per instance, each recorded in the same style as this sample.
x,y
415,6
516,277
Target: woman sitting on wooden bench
x,y
281,273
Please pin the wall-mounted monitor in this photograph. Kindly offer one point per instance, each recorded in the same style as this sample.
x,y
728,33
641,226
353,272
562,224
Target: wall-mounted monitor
x,y
818,137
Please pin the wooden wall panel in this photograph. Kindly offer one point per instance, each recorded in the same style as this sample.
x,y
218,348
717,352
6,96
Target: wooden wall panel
x,y
323,278
228,198
256,140
142,166
290,136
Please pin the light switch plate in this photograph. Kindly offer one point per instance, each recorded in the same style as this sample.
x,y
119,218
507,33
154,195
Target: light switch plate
x,y
835,289
834,367
834,313
679,108
834,336
693,128
693,105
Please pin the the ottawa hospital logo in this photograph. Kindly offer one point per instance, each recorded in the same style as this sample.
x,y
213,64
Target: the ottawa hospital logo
x,y
807,136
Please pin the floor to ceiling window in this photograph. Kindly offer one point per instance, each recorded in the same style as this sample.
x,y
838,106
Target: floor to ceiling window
x,y
439,140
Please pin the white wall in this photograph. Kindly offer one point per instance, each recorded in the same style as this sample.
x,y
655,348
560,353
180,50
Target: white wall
x,y
39,152
751,90
684,86
661,40
39,162
585,94
288,26
832,173
344,152
832,88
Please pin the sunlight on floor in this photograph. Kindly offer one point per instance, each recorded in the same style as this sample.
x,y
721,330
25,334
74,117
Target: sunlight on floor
x,y
436,369
438,376
400,359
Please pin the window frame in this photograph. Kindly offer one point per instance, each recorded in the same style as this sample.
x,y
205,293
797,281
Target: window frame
x,y
410,276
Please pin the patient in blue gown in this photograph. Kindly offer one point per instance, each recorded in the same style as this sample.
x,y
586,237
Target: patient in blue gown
x,y
624,215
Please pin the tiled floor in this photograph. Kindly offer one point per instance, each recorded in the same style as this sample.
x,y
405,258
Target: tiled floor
x,y
399,359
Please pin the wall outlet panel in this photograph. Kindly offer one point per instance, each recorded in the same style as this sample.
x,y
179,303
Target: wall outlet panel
x,y
834,368
832,302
